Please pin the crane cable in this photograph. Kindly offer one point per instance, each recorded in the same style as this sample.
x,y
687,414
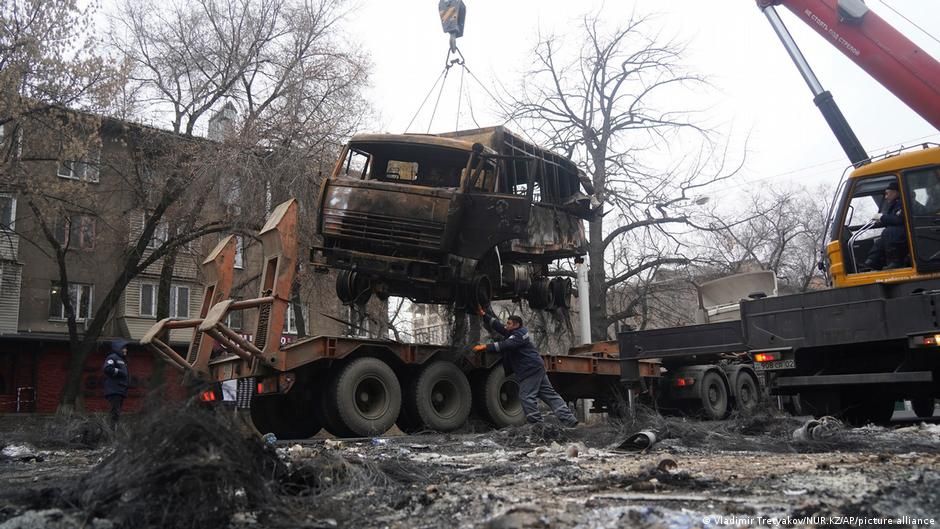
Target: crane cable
x,y
911,22
442,78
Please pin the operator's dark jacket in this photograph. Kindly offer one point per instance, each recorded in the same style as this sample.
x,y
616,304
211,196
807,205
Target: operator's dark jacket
x,y
116,376
893,221
517,349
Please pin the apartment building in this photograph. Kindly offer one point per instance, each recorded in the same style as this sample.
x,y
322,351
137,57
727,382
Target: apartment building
x,y
94,204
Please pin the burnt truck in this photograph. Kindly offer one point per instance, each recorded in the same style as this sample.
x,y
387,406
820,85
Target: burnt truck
x,y
349,386
459,218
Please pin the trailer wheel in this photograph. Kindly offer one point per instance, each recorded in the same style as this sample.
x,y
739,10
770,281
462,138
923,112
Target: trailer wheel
x,y
713,396
328,414
746,391
439,398
499,399
284,416
923,407
366,396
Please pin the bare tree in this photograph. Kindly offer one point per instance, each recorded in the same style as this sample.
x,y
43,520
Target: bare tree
x,y
783,231
282,64
605,106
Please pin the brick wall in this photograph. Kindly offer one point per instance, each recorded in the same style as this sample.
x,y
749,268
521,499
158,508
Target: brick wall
x,y
50,364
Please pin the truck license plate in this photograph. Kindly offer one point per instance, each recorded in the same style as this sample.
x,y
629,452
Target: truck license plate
x,y
775,365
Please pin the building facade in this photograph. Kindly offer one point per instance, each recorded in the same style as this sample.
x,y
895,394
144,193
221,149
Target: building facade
x,y
89,189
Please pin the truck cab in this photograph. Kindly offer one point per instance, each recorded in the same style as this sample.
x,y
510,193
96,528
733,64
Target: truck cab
x,y
465,217
853,234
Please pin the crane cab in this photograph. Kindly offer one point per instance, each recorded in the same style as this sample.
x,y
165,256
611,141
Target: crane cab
x,y
855,241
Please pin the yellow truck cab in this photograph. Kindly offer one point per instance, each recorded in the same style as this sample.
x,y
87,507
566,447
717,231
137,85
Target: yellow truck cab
x,y
852,233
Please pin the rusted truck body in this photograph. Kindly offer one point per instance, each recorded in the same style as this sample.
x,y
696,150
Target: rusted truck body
x,y
463,217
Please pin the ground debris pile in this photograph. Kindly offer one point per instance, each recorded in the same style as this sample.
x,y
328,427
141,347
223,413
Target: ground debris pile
x,y
62,430
764,429
913,502
180,468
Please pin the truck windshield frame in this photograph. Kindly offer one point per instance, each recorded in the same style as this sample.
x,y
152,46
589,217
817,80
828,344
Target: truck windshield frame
x,y
416,164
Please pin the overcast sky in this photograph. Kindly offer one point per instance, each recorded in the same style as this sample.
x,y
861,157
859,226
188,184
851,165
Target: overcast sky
x,y
756,92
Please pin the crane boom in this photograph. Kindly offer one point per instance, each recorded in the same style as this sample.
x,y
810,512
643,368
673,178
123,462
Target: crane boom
x,y
909,72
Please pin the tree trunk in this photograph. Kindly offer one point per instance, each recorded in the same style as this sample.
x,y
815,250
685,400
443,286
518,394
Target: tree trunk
x,y
297,306
158,377
597,280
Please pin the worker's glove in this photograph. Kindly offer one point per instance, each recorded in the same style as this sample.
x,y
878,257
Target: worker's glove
x,y
479,348
876,218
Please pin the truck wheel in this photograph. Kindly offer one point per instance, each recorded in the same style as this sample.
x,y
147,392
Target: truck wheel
x,y
746,391
923,407
285,417
439,398
327,413
713,395
366,396
500,399
561,291
353,287
540,295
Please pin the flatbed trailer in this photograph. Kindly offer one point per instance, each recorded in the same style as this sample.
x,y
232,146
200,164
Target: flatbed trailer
x,y
355,387
850,351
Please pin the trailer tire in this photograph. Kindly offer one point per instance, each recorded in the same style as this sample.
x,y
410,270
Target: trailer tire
x,y
328,414
366,396
713,396
499,397
439,398
746,391
284,416
923,407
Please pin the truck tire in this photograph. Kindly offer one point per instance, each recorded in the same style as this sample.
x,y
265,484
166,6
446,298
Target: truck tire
x,y
366,396
713,396
439,398
746,391
498,396
285,417
923,407
327,413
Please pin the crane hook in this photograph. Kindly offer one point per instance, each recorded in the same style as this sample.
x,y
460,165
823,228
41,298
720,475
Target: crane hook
x,y
453,16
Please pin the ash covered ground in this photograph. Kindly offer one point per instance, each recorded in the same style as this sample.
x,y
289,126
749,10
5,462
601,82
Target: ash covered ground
x,y
196,468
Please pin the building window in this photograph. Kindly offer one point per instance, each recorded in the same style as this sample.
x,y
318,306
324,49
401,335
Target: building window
x,y
81,297
160,234
148,299
179,302
290,320
239,252
85,170
76,231
235,320
358,320
7,212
